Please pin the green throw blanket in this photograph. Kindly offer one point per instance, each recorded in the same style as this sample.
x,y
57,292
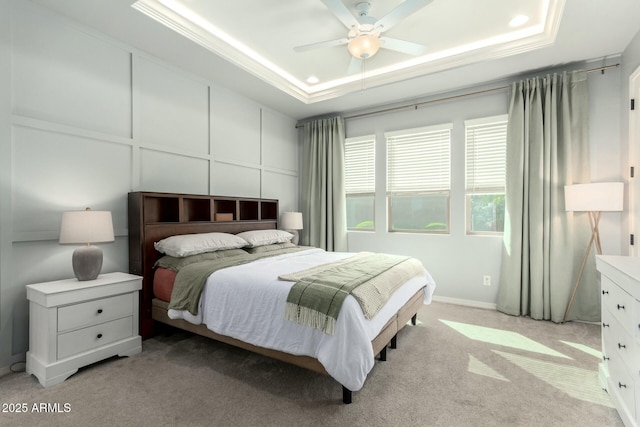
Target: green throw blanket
x,y
317,296
191,278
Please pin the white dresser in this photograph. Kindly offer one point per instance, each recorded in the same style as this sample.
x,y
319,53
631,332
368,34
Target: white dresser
x,y
73,324
620,368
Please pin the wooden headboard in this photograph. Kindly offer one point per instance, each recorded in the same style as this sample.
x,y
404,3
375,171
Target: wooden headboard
x,y
154,216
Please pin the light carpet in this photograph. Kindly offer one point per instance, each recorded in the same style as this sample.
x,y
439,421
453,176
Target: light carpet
x,y
459,366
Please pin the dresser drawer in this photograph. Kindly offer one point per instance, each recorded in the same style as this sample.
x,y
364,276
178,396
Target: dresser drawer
x,y
618,343
74,342
619,303
636,322
94,312
624,385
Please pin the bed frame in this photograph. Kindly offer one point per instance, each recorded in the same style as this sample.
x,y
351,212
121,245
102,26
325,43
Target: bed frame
x,y
154,216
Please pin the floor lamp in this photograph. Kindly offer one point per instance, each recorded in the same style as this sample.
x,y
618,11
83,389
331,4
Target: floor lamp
x,y
593,198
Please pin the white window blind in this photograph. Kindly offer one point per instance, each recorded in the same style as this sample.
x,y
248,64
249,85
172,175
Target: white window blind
x,y
419,160
359,165
486,154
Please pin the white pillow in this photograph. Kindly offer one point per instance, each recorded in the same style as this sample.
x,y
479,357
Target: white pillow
x,y
193,244
265,237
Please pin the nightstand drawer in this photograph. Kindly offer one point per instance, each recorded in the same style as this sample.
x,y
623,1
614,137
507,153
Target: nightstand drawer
x,y
94,312
71,343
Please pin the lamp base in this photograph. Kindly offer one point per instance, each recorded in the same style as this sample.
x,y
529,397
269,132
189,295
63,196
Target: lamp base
x,y
296,236
594,219
87,262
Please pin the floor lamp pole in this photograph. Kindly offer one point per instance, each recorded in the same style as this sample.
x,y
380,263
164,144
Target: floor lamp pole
x,y
594,219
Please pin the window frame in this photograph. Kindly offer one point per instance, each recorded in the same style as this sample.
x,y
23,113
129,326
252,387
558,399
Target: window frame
x,y
443,128
363,139
501,119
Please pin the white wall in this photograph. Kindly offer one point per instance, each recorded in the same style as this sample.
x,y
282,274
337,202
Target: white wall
x,y
5,180
458,261
86,120
604,134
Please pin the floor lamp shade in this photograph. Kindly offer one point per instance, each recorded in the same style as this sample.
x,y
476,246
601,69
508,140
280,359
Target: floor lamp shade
x,y
84,228
292,221
593,198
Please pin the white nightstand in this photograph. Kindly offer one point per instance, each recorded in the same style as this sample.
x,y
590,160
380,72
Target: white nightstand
x,y
73,324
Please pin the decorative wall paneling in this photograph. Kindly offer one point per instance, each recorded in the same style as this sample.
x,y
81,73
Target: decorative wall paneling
x,y
88,119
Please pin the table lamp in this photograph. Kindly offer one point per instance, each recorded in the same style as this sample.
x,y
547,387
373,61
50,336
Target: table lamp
x,y
86,227
292,222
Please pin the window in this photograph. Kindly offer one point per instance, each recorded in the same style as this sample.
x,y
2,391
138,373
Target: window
x,y
419,179
486,156
360,179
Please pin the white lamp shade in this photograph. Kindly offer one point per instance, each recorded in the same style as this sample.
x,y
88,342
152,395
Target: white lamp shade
x,y
82,227
291,221
594,197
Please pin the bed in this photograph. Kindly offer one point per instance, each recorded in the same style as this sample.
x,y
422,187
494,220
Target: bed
x,y
347,354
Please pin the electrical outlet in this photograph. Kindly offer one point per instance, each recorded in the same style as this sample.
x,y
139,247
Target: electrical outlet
x,y
486,280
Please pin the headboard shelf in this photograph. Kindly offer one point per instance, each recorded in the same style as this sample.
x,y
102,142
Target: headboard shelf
x,y
196,209
161,209
268,211
154,216
180,208
226,206
248,210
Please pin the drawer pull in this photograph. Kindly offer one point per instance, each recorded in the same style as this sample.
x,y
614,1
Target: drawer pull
x,y
99,311
620,307
605,358
605,292
605,325
621,345
620,385
100,336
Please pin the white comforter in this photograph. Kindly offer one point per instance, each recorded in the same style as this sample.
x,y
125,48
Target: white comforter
x,y
247,302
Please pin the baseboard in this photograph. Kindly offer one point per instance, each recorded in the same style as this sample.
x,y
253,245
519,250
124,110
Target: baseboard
x,y
465,302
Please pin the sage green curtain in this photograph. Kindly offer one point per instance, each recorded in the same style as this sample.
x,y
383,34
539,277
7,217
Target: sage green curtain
x,y
323,195
547,148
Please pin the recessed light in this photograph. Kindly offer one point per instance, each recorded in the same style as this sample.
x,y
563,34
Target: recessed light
x,y
518,21
312,80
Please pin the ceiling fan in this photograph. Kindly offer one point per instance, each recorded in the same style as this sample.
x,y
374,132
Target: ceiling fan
x,y
364,38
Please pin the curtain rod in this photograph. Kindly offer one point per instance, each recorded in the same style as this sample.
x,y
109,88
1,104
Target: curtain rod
x,y
416,105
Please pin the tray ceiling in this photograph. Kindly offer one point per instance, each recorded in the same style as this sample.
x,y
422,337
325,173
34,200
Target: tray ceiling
x,y
247,46
260,36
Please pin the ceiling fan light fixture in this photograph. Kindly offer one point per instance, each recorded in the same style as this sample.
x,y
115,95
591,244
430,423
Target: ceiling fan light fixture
x,y
364,46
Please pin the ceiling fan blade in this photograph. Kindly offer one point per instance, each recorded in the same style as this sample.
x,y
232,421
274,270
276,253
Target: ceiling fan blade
x,y
403,46
355,66
342,13
320,45
399,13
